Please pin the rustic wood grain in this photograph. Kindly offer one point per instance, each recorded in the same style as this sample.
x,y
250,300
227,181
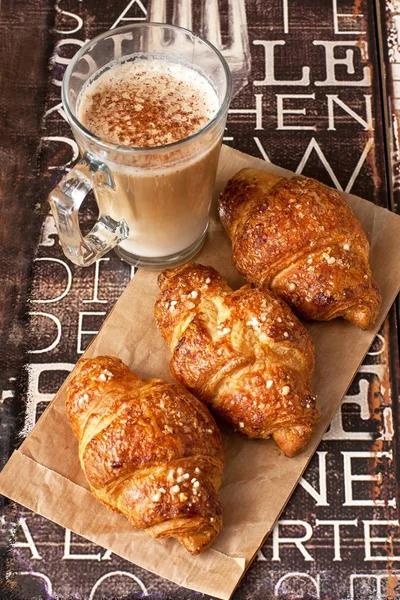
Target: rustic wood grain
x,y
25,44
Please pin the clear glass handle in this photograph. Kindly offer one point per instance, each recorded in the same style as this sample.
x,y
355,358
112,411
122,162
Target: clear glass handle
x,y
65,201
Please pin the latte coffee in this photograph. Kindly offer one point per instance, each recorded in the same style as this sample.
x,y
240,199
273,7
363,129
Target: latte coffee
x,y
150,104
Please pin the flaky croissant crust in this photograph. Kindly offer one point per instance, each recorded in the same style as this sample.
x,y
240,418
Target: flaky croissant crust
x,y
149,450
299,238
242,352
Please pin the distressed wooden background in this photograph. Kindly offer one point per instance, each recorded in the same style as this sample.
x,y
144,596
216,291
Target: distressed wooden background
x,y
326,59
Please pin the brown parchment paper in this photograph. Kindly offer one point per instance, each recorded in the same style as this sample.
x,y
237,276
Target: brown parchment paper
x,y
45,476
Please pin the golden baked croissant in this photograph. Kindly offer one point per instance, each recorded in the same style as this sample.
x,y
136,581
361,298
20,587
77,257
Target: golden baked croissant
x,y
300,239
149,450
244,353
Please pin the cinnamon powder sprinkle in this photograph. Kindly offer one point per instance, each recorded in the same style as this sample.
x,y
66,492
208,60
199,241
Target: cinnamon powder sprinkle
x,y
147,103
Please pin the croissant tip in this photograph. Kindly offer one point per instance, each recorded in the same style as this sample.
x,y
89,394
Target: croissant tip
x,y
293,440
198,542
362,317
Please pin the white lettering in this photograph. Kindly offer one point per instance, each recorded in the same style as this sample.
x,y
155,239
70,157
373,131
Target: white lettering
x,y
67,550
377,578
381,346
321,496
334,99
285,16
251,111
261,149
269,77
117,574
123,15
34,396
82,332
29,540
313,145
337,430
95,297
57,108
349,477
297,541
292,111
332,62
48,229
42,576
77,18
337,16
388,540
260,556
61,60
68,284
360,163
298,585
336,533
387,429
55,343
5,394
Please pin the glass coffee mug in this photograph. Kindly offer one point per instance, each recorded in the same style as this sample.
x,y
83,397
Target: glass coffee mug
x,y
154,202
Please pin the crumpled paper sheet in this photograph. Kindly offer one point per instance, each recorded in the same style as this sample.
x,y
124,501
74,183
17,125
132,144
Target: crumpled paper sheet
x,y
45,476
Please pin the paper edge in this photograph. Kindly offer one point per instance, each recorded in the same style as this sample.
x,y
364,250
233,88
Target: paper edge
x,y
20,458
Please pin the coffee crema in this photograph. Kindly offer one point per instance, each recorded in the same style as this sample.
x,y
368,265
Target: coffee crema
x,y
147,103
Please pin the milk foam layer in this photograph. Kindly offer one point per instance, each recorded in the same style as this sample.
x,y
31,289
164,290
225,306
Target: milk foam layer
x,y
147,102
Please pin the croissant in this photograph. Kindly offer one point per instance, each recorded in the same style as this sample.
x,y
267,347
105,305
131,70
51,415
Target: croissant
x,y
149,450
243,353
300,239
